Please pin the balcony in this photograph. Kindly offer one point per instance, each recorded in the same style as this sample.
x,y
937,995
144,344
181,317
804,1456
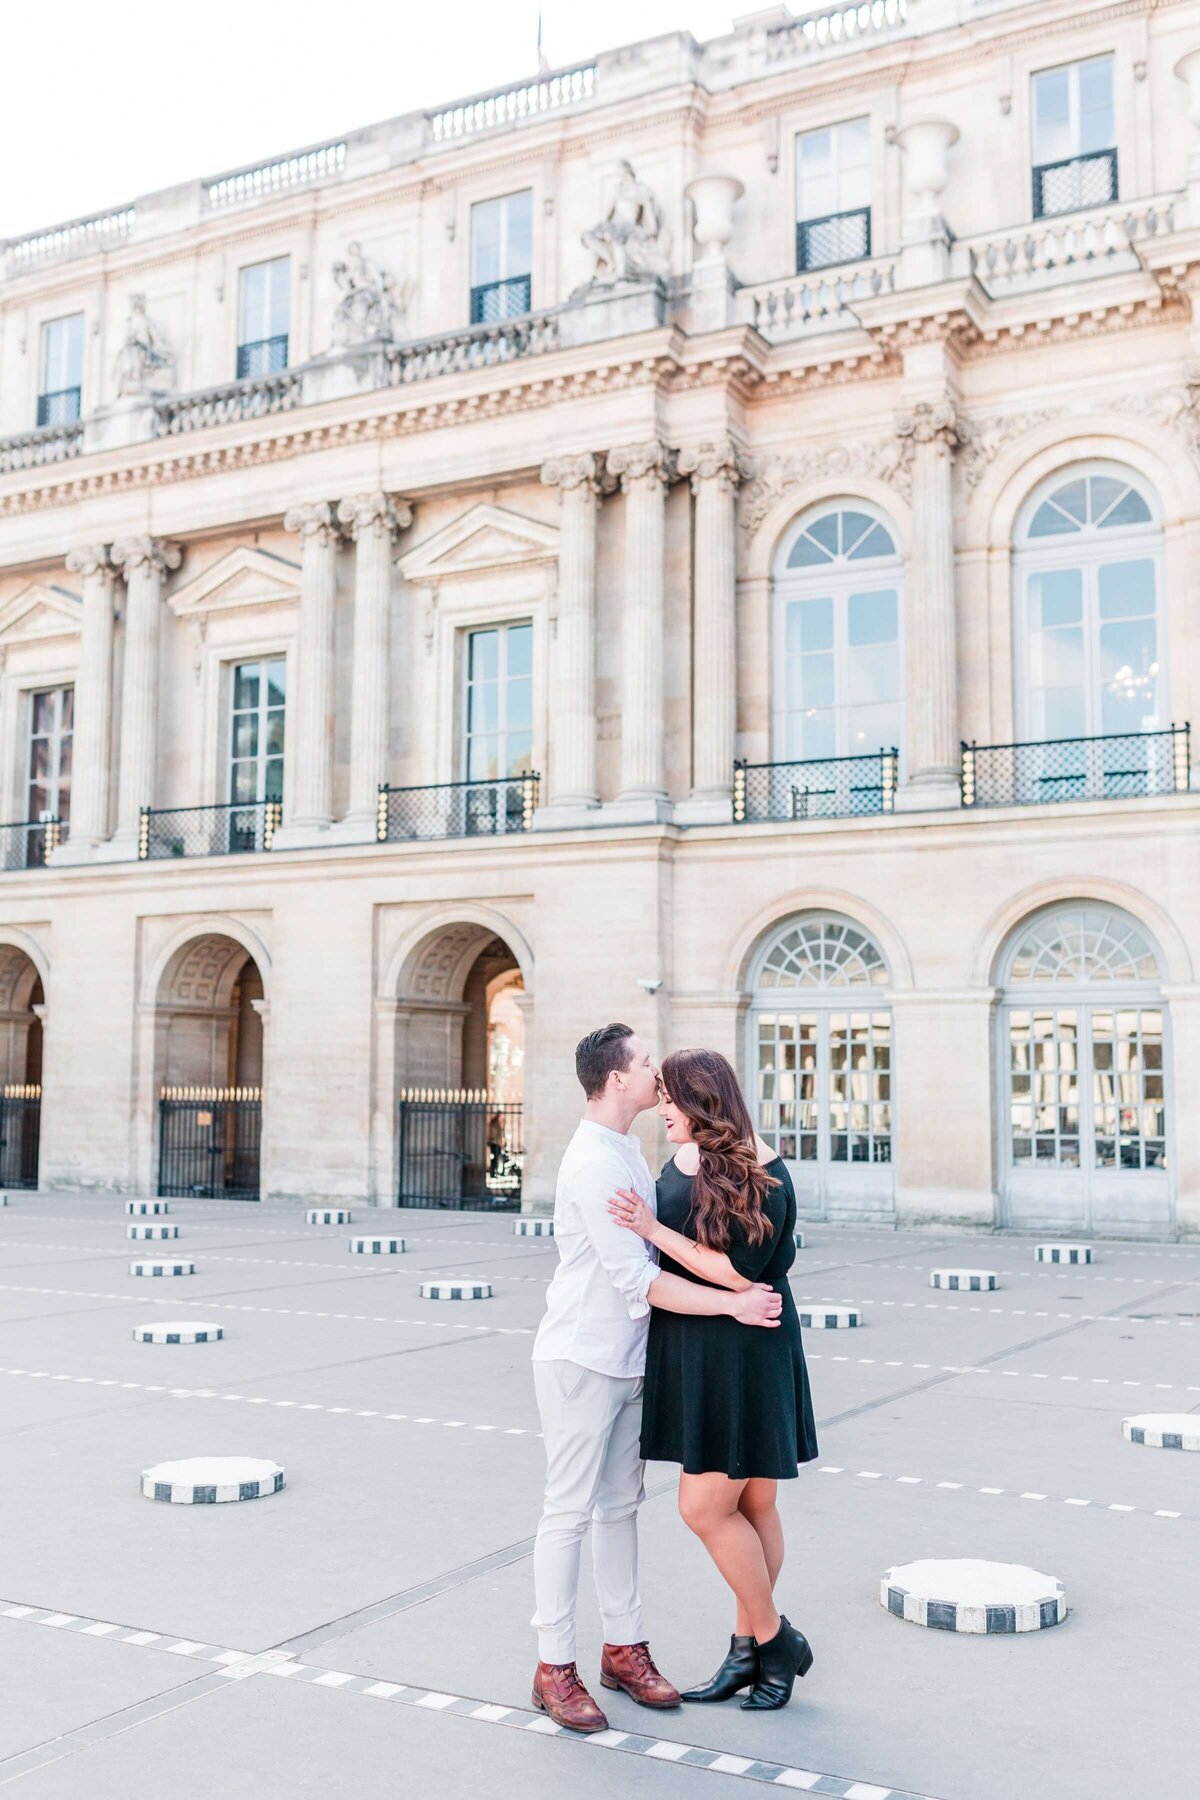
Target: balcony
x,y
1071,247
834,787
37,449
1127,766
1074,183
27,844
230,829
843,237
492,301
265,356
253,398
62,407
802,304
457,809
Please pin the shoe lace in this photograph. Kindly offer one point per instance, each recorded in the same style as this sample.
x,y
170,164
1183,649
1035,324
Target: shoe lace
x,y
640,1654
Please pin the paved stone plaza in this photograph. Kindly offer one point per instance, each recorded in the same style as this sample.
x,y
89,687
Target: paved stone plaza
x,y
365,1630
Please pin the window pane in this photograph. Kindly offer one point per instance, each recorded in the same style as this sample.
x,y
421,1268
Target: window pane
x,y
1055,597
485,242
68,708
1097,127
484,707
276,682
245,734
263,304
876,542
1126,588
810,625
484,655
245,686
873,674
1051,116
43,713
520,649
872,618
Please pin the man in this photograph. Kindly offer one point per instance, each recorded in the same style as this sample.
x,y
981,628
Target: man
x,y
588,1360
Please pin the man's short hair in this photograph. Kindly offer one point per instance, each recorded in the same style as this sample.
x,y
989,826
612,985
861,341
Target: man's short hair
x,y
598,1054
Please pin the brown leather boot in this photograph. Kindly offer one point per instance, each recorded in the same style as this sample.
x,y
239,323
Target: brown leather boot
x,y
557,1690
631,1667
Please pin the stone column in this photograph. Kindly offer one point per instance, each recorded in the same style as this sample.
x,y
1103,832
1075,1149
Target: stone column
x,y
91,781
715,469
573,673
143,561
644,471
372,520
311,808
931,668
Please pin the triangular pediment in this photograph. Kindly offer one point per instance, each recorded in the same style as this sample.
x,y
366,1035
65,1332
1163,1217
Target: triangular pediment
x,y
485,537
242,578
40,611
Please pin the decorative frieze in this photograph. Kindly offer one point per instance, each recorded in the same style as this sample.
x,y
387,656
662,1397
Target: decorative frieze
x,y
772,477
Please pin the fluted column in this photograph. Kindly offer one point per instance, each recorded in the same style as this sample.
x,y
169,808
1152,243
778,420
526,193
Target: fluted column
x,y
715,470
931,658
372,521
91,776
143,561
311,807
573,684
644,471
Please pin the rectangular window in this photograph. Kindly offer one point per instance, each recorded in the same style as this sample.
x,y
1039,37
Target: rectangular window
x,y
833,194
1074,137
256,735
499,711
48,785
61,388
264,302
501,258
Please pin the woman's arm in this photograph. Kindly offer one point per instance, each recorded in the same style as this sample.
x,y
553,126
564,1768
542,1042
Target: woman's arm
x,y
631,1211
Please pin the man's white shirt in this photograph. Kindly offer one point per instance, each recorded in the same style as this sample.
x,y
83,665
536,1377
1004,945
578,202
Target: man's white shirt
x,y
597,1313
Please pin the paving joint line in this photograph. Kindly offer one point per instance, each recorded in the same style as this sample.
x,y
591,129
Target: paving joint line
x,y
238,1665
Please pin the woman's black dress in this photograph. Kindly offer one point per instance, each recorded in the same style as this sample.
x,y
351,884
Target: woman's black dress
x,y
721,1397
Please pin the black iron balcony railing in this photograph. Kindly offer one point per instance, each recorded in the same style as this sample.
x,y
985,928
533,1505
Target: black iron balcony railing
x,y
838,238
835,787
494,300
1124,766
1076,183
60,407
456,809
230,829
264,356
27,843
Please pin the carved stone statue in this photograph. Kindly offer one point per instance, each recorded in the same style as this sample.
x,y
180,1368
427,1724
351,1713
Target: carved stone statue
x,y
373,303
630,243
145,362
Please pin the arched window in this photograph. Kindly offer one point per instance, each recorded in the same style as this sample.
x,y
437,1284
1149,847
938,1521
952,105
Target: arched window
x,y
1085,1070
820,1051
1089,627
837,654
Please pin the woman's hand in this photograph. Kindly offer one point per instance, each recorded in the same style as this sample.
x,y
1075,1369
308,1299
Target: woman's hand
x,y
631,1211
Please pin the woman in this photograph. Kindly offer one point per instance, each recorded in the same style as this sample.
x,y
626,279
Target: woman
x,y
732,1407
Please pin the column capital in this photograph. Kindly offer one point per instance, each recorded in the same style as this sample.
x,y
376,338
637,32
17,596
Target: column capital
x,y
154,553
648,462
379,514
930,422
568,473
717,460
313,520
91,559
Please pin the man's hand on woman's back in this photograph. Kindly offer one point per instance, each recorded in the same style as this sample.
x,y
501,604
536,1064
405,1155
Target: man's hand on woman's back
x,y
757,1305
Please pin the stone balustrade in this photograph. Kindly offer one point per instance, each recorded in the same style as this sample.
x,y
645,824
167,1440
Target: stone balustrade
x,y
819,300
1100,241
258,181
506,106
474,347
75,238
46,444
832,25
252,398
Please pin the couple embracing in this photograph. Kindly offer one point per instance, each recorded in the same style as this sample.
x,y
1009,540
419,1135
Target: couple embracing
x,y
670,1335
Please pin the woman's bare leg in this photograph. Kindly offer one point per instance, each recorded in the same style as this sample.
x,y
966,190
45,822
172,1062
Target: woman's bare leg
x,y
708,1505
758,1504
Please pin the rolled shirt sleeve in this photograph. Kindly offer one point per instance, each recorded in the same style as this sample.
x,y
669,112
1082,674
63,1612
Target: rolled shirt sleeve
x,y
630,1264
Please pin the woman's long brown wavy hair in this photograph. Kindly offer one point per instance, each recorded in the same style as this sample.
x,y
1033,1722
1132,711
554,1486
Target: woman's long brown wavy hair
x,y
731,1183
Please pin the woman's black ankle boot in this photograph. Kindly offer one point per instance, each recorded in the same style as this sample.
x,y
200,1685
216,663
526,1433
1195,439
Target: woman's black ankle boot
x,y
780,1660
738,1671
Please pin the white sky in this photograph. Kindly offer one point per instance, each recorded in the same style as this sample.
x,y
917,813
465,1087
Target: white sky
x,y
107,99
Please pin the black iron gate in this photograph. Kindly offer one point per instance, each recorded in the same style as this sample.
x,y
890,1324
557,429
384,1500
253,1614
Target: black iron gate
x,y
20,1130
458,1149
209,1141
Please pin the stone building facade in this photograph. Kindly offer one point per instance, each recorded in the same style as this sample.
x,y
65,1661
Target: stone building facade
x,y
706,537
